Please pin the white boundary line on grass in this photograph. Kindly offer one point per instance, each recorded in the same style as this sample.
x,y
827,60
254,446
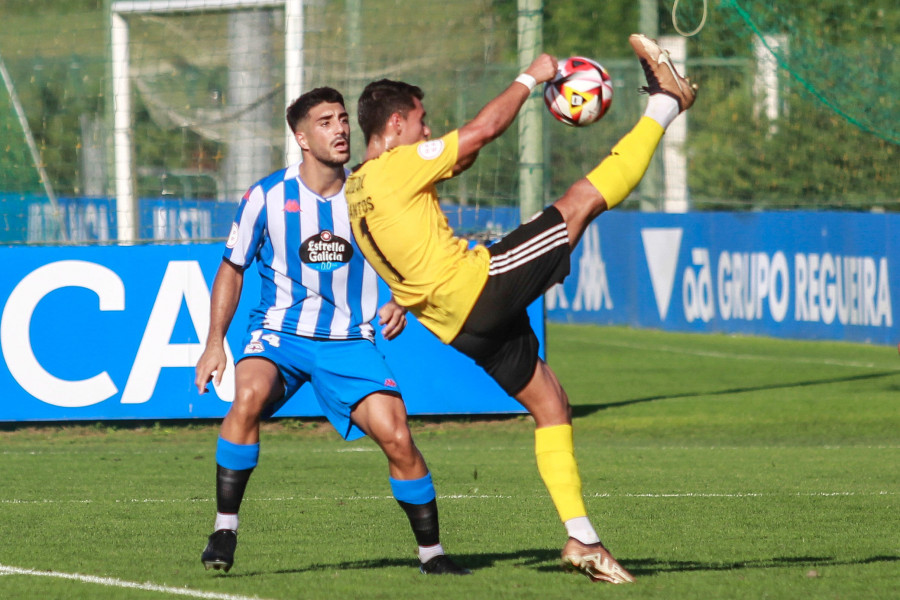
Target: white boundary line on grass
x,y
474,496
522,447
743,495
112,582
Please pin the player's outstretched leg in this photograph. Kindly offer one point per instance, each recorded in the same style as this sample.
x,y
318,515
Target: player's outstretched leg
x,y
595,561
219,552
618,174
662,77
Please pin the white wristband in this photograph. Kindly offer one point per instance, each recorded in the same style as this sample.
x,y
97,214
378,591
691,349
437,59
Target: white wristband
x,y
527,80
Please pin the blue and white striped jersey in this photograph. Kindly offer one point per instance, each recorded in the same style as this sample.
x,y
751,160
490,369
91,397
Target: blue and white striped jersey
x,y
315,281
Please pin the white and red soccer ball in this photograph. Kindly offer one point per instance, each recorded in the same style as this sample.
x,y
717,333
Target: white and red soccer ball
x,y
581,93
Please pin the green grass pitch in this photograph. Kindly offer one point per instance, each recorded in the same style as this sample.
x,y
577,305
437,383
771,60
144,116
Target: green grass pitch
x,y
713,467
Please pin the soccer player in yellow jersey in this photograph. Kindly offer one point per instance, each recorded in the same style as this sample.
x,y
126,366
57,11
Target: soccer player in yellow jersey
x,y
476,299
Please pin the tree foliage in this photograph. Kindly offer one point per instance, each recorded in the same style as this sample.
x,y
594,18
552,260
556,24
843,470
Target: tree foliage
x,y
810,157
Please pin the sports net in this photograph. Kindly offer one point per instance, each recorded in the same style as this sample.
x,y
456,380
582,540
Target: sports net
x,y
843,54
797,107
823,131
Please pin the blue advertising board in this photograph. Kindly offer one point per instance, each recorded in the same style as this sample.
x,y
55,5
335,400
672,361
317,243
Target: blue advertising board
x,y
801,275
32,218
109,332
105,332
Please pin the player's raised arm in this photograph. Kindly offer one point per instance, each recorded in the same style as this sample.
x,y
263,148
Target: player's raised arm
x,y
226,293
498,114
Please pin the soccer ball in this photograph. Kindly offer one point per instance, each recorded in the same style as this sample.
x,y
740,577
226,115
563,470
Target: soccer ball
x,y
581,92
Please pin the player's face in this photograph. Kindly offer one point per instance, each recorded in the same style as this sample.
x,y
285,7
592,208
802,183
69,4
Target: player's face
x,y
325,133
414,128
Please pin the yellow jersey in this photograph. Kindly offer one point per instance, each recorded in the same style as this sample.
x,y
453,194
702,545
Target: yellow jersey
x,y
402,232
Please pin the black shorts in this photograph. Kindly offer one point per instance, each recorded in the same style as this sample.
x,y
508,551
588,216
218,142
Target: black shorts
x,y
524,264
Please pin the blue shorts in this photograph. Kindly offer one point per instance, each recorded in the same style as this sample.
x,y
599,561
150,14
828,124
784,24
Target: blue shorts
x,y
341,372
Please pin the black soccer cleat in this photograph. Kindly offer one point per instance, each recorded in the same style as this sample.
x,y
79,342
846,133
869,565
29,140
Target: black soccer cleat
x,y
219,553
442,565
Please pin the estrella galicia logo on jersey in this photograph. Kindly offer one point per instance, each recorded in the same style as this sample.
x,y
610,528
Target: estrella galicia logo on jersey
x,y
325,252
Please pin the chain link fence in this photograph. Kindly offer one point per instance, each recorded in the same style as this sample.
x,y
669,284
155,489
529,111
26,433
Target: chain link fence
x,y
146,121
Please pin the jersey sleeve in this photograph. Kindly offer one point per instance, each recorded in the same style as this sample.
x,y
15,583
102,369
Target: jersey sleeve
x,y
428,162
247,230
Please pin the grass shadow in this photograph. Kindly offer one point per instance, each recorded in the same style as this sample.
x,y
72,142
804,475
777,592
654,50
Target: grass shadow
x,y
547,560
654,566
583,410
471,561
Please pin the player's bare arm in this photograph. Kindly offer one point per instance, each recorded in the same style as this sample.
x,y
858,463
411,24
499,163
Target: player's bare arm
x,y
226,293
498,114
392,318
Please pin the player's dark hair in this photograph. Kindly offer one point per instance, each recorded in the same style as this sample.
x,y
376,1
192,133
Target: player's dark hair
x,y
300,107
380,99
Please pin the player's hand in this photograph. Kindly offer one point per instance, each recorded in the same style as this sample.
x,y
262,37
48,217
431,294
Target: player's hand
x,y
210,367
392,318
543,69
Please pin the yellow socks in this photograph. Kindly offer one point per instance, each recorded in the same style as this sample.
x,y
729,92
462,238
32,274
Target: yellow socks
x,y
621,171
556,464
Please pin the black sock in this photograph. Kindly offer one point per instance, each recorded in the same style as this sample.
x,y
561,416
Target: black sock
x,y
230,486
424,521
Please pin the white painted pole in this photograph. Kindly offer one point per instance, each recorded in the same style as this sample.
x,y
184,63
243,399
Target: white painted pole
x,y
767,97
355,77
126,200
187,6
293,68
648,21
126,203
676,198
650,188
531,145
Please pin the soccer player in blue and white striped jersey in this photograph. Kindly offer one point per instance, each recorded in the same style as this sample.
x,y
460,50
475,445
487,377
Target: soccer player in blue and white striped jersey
x,y
315,282
312,326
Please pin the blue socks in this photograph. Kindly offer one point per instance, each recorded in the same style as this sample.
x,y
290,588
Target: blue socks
x,y
417,499
413,491
237,457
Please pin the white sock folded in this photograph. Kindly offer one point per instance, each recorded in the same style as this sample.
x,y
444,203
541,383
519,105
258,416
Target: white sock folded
x,y
581,529
662,108
226,521
426,553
